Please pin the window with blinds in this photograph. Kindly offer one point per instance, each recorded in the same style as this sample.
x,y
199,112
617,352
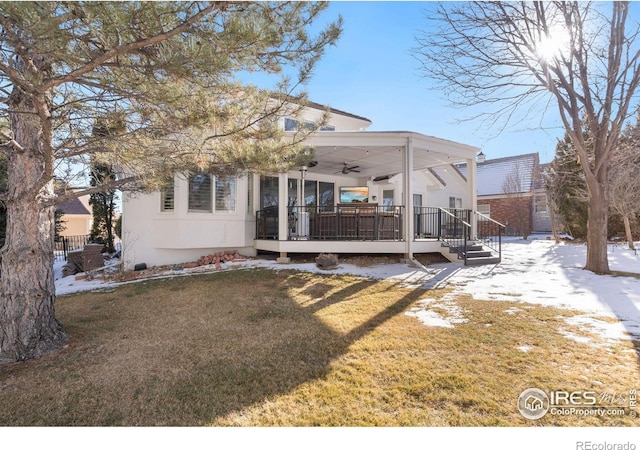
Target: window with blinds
x,y
200,192
225,195
167,198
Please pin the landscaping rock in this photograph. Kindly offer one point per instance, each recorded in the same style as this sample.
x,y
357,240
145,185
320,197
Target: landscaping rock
x,y
69,269
327,261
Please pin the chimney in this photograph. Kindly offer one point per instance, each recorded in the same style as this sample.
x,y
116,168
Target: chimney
x,y
480,157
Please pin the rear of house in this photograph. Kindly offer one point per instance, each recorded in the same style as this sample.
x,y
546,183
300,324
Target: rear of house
x,y
366,192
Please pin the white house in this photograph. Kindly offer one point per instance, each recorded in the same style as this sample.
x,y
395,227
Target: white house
x,y
366,192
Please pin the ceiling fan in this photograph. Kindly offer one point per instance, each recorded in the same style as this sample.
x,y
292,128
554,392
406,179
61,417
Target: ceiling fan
x,y
348,169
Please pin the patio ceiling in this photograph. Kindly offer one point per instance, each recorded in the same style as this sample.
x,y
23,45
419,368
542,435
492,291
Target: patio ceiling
x,y
380,153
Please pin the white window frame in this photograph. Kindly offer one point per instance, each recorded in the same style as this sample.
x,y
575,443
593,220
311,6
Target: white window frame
x,y
207,204
540,199
485,209
227,203
168,196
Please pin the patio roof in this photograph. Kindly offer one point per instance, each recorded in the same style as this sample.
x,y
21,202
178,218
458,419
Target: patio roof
x,y
379,153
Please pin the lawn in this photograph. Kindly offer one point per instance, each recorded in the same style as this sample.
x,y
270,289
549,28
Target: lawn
x,y
285,348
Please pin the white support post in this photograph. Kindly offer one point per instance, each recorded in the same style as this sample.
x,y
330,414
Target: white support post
x,y
472,194
283,202
407,194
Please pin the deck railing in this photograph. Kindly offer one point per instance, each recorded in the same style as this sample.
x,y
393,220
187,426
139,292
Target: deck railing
x,y
440,223
490,232
267,223
343,222
457,232
372,222
65,244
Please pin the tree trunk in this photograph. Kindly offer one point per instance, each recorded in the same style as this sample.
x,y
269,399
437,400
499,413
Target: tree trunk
x,y
28,327
597,239
108,222
627,232
554,223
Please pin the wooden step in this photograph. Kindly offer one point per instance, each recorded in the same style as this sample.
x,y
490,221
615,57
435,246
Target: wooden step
x,y
479,254
482,260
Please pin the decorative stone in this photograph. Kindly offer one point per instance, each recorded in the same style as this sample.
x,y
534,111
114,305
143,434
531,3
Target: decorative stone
x,y
327,261
69,269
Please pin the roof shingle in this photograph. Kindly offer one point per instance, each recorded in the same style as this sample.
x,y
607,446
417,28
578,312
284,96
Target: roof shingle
x,y
494,174
73,206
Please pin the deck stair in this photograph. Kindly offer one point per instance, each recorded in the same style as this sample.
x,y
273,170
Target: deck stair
x,y
456,231
476,253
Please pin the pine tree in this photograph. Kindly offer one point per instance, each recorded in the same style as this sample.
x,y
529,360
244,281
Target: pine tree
x,y
166,76
104,207
567,189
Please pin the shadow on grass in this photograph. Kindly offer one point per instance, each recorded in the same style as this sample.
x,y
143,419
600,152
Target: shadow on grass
x,y
626,309
186,352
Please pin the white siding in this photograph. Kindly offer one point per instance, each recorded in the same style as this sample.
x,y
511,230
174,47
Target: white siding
x,y
156,238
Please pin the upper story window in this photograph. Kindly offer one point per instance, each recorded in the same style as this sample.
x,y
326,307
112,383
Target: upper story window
x,y
294,125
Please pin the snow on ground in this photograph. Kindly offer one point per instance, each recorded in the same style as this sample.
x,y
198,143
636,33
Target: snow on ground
x,y
537,271
426,311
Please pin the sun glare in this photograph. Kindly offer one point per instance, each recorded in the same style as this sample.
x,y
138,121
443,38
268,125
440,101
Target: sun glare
x,y
551,46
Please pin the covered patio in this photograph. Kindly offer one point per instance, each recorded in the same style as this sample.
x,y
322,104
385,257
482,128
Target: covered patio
x,y
367,224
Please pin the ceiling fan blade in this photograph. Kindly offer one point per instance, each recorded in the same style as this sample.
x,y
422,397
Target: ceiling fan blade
x,y
348,169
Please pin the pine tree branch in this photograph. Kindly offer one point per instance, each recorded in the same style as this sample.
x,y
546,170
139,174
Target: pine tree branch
x,y
131,47
104,187
11,141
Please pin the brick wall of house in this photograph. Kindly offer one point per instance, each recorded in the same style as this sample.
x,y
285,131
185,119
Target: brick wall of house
x,y
514,212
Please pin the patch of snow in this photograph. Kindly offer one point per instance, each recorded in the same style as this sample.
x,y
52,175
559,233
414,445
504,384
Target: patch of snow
x,y
525,348
577,338
610,331
425,313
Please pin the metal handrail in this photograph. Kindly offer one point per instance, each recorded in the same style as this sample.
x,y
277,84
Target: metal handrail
x,y
458,241
454,216
497,227
489,219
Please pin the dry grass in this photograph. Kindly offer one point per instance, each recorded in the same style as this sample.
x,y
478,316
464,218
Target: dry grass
x,y
263,348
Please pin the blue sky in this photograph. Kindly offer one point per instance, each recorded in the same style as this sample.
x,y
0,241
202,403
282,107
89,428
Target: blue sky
x,y
372,73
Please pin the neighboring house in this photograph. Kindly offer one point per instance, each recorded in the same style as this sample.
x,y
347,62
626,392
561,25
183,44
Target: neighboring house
x,y
511,191
77,217
356,197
